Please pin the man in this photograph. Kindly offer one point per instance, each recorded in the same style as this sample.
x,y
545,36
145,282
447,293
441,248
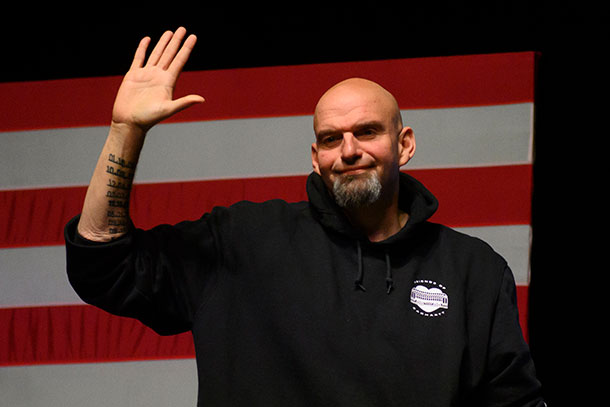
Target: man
x,y
361,145
352,298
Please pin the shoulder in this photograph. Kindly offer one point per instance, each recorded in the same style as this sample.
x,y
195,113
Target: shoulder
x,y
269,205
263,210
454,240
256,215
467,255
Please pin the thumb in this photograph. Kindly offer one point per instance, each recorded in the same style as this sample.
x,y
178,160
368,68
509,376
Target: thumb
x,y
184,103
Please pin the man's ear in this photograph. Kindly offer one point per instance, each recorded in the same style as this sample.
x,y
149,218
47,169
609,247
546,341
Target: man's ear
x,y
406,145
314,158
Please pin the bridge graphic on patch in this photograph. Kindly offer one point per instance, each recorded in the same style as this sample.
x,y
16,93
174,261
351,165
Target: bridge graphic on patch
x,y
429,300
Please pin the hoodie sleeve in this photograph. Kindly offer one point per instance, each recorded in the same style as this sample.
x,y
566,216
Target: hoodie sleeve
x,y
159,276
511,378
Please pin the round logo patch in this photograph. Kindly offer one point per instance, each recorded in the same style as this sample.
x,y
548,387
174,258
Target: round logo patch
x,y
429,298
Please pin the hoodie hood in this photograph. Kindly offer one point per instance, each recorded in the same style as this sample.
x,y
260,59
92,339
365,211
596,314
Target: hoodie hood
x,y
414,199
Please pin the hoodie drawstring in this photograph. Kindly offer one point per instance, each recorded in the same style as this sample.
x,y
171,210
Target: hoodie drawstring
x,y
388,272
360,274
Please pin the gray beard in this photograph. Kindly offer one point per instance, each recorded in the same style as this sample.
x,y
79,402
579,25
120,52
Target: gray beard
x,y
357,191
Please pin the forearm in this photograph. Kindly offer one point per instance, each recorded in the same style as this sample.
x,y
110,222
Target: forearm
x,y
145,97
105,213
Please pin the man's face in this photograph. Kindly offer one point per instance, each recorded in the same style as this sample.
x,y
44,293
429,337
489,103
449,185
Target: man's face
x,y
360,144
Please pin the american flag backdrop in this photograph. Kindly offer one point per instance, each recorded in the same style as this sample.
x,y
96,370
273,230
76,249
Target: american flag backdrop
x,y
473,122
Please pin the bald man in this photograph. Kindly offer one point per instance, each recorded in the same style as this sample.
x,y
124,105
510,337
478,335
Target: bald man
x,y
352,298
359,149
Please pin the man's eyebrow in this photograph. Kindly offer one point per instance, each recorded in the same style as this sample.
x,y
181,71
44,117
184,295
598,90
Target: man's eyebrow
x,y
374,124
327,132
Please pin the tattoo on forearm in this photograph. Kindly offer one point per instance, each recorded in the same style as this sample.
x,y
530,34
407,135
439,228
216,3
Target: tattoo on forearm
x,y
120,161
119,185
118,172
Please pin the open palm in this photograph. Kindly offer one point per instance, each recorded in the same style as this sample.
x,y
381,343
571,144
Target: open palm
x,y
146,93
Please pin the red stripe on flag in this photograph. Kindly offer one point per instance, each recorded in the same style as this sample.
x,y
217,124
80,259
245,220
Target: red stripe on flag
x,y
472,80
479,196
36,217
83,333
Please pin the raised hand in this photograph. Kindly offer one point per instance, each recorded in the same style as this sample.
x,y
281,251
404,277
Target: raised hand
x,y
146,93
145,97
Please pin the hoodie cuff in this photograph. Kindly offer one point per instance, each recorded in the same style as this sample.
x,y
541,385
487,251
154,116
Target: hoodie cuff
x,y
72,236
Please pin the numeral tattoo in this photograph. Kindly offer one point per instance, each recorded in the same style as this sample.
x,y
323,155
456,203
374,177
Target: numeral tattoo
x,y
121,174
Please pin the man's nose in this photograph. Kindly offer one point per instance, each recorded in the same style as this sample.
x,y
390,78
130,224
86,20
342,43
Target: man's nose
x,y
350,148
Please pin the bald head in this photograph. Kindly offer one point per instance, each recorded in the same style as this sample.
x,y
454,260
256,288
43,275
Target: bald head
x,y
360,146
346,94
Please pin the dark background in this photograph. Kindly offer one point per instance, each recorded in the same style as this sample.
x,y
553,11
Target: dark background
x,y
568,204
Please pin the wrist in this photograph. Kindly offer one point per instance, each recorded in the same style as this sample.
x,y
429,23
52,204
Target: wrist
x,y
127,130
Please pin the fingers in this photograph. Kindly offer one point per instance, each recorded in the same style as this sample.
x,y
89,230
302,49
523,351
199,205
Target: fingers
x,y
168,48
138,59
158,50
167,53
172,48
178,62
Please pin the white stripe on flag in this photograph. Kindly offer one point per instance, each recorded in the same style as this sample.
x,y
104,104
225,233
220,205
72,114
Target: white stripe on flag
x,y
457,137
148,383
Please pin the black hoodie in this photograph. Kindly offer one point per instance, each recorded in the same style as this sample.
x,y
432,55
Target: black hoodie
x,y
289,305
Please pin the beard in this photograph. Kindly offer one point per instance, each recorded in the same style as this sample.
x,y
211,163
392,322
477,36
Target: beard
x,y
356,191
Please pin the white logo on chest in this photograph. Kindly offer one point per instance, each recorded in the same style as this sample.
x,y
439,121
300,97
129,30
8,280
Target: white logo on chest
x,y
429,298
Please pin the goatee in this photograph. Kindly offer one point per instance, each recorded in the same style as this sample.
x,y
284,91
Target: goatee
x,y
356,191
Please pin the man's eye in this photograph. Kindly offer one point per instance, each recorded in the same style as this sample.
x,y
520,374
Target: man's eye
x,y
366,133
330,141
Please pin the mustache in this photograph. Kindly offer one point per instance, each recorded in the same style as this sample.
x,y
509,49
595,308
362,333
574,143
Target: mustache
x,y
346,169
